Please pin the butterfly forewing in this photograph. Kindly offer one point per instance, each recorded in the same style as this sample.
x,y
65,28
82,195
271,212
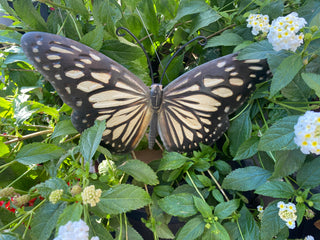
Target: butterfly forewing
x,y
95,86
196,105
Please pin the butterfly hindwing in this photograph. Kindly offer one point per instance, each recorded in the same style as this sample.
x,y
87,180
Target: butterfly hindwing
x,y
95,86
196,105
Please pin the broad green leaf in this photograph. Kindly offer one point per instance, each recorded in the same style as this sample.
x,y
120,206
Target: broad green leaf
x,y
248,225
287,162
309,175
246,179
94,38
271,223
301,211
257,50
297,90
27,12
9,236
204,180
180,205
172,160
247,149
63,128
163,190
225,39
140,171
7,8
215,232
4,149
149,15
316,201
274,9
192,229
78,7
90,139
217,195
70,213
98,229
285,73
313,81
45,188
202,207
276,189
45,219
187,7
123,198
203,19
225,209
222,166
130,233
279,136
239,131
35,153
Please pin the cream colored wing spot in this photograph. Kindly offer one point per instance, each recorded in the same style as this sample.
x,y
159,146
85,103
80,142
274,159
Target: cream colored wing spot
x,y
39,42
74,74
114,68
234,74
255,68
68,90
249,85
101,76
252,61
75,48
53,57
198,74
236,81
200,102
221,64
199,135
57,65
229,69
205,121
219,125
189,135
106,132
37,59
79,65
210,82
226,109
177,129
103,117
58,76
118,131
60,50
94,57
86,60
193,88
35,49
89,86
79,103
222,92
206,129
252,75
84,120
45,67
121,116
238,97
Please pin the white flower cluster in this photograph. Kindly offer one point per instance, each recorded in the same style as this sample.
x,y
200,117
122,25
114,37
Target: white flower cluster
x,y
283,32
55,196
74,231
309,237
287,213
258,22
307,133
260,210
91,196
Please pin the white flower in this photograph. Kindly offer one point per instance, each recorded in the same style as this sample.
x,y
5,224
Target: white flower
x,y
260,209
291,223
307,133
309,237
74,231
259,23
283,32
287,212
281,205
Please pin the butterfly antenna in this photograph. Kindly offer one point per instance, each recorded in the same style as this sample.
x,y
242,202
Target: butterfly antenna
x,y
202,42
141,46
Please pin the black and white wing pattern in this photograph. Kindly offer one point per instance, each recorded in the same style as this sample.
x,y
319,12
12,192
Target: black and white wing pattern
x,y
95,86
196,105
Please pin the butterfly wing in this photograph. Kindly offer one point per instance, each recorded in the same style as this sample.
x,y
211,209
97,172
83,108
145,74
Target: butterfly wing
x,y
196,105
95,86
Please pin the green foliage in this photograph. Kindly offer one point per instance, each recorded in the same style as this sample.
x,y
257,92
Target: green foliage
x,y
41,151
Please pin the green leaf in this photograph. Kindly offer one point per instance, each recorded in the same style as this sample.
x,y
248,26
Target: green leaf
x,y
35,153
140,171
180,205
204,19
70,213
225,209
163,190
45,188
248,225
287,162
217,195
297,90
45,219
309,175
63,128
276,189
27,12
172,160
316,201
192,229
313,81
301,210
246,179
274,9
257,50
90,139
225,39
187,7
78,7
239,131
202,207
4,149
247,149
215,232
279,136
122,198
149,15
285,73
94,38
98,229
9,236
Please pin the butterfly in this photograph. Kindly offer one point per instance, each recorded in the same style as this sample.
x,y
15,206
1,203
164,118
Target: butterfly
x,y
192,109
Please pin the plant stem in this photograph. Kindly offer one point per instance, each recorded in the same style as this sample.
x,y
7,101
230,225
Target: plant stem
x,y
218,185
195,187
32,135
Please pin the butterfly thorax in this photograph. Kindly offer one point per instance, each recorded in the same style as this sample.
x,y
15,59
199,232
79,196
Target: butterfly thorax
x,y
156,96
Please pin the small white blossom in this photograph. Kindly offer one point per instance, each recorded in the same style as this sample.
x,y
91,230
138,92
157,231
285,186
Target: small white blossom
x,y
309,237
281,205
307,133
259,23
291,223
283,32
260,209
74,231
287,213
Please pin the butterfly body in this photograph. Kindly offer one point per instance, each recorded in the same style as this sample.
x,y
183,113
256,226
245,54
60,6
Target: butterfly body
x,y
193,108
